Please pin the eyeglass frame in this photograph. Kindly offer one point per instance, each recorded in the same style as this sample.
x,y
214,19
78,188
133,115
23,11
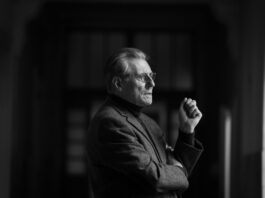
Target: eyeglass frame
x,y
144,77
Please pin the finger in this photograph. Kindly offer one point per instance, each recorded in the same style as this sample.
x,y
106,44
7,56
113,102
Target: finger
x,y
183,103
193,103
190,106
186,104
196,113
192,109
188,101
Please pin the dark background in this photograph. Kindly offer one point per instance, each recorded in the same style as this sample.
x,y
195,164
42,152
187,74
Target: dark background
x,y
51,59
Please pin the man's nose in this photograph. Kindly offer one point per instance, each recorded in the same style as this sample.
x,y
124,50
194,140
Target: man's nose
x,y
150,83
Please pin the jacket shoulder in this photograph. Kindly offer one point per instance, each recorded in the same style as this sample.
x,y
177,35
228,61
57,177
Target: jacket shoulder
x,y
107,111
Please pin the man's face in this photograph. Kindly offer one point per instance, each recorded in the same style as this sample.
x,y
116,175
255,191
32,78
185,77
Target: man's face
x,y
134,88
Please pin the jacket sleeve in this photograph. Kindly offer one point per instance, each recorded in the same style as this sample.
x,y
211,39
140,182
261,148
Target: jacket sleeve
x,y
188,150
121,151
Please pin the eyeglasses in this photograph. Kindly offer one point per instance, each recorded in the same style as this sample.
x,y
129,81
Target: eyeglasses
x,y
145,77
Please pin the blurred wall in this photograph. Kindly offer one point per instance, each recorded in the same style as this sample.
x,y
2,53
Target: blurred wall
x,y
14,15
6,98
248,104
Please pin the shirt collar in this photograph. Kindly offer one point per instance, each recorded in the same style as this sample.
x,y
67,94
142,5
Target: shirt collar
x,y
135,109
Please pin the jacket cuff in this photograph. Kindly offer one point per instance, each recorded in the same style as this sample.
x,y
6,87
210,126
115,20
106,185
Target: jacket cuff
x,y
188,138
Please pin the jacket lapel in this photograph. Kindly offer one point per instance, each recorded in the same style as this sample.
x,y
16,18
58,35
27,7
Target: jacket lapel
x,y
147,133
158,145
136,124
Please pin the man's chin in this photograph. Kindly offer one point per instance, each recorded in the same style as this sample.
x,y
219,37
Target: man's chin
x,y
146,103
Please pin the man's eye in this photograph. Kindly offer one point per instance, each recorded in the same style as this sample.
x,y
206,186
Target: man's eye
x,y
145,78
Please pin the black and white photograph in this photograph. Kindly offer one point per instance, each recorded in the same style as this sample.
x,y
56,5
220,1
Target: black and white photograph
x,y
132,99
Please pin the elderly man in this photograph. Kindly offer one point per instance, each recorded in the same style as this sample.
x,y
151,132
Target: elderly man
x,y
127,151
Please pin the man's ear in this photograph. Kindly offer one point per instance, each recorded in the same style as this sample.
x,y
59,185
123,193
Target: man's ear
x,y
116,81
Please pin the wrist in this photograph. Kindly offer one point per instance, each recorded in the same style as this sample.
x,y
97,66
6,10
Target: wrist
x,y
188,138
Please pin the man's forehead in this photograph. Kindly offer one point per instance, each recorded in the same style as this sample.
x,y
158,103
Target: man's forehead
x,y
138,66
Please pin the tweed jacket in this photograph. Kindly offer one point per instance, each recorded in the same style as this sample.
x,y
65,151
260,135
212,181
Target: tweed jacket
x,y
130,160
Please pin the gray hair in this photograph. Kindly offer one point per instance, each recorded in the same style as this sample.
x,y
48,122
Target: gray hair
x,y
118,64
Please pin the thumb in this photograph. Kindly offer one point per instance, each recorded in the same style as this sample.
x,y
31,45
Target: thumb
x,y
182,103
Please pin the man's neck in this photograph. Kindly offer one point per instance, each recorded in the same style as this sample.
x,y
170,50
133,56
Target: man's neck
x,y
130,106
